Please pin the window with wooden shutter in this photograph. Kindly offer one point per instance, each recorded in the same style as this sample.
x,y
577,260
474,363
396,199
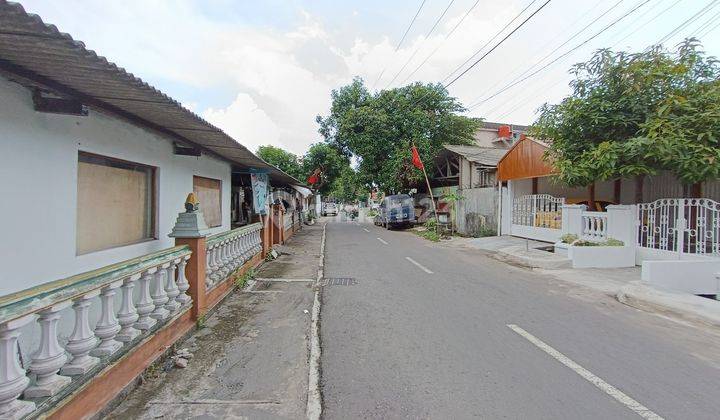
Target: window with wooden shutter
x,y
115,203
209,193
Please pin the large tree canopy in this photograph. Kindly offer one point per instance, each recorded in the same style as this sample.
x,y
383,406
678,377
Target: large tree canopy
x,y
379,128
329,161
284,160
636,114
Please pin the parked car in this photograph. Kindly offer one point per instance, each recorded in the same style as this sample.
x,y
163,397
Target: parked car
x,y
329,209
396,211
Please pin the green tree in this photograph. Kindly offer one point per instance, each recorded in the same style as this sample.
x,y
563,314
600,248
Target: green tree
x,y
329,161
379,128
284,160
347,187
635,114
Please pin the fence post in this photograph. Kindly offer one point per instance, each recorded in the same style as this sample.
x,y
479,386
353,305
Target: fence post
x,y
680,228
621,223
572,222
190,229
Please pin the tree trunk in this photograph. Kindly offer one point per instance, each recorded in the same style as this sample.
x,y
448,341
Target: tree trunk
x,y
639,182
591,200
617,191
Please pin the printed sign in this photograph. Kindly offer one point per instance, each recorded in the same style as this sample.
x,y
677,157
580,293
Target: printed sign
x,y
260,192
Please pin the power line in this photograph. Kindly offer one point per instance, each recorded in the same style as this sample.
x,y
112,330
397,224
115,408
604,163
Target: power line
x,y
417,101
401,40
678,28
498,44
565,54
702,27
441,43
575,35
520,64
646,23
418,48
517,106
707,32
507,25
542,87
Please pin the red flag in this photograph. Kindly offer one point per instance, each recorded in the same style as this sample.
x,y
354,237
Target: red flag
x,y
314,178
416,158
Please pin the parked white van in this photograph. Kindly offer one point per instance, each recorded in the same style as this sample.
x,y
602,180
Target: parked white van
x,y
329,209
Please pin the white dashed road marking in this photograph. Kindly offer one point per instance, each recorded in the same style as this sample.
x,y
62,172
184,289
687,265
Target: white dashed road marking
x,y
420,266
382,240
625,400
366,230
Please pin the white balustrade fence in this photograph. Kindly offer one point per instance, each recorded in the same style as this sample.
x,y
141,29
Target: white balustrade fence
x,y
58,359
680,225
594,225
228,251
538,210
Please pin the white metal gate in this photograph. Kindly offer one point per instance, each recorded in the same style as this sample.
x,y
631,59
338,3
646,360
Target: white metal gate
x,y
680,226
537,216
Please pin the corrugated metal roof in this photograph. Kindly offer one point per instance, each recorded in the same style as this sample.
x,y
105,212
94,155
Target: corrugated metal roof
x,y
40,53
486,156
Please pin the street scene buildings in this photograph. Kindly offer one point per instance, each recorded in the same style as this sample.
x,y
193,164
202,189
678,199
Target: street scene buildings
x,y
417,256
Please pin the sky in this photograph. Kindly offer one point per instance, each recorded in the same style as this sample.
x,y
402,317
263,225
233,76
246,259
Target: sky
x,y
263,70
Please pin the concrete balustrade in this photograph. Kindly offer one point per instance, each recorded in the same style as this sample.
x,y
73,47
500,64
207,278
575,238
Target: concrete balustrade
x,y
228,251
57,361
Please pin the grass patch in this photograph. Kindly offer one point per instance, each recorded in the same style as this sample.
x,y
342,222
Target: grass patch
x,y
241,281
201,322
430,235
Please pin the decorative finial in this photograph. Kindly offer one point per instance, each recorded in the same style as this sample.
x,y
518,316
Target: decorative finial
x,y
191,203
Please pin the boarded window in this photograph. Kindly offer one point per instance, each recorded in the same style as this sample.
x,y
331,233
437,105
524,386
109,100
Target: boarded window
x,y
208,192
115,203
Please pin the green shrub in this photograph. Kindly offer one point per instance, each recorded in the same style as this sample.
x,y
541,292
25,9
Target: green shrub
x,y
614,242
486,230
568,238
431,223
372,213
608,242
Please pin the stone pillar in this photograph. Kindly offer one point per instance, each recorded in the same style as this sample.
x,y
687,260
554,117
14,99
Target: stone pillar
x,y
190,229
622,223
572,219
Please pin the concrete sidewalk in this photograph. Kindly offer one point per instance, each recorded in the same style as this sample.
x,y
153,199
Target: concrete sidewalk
x,y
622,284
251,358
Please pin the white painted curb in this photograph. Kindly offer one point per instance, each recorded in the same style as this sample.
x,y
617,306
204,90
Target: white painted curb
x,y
681,305
314,399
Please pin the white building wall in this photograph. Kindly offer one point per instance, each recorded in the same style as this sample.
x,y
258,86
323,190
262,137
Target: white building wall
x,y
38,182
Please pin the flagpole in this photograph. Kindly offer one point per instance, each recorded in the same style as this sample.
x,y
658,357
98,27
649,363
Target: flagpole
x,y
432,199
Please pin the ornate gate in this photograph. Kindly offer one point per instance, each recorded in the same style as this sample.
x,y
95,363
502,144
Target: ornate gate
x,y
680,226
537,216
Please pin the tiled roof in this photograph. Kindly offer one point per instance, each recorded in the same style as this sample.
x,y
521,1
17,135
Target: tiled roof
x,y
39,53
486,156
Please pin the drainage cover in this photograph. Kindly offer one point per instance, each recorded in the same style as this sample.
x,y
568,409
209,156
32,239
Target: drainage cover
x,y
339,281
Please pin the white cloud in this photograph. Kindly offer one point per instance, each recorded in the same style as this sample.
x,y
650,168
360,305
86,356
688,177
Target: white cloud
x,y
246,122
280,79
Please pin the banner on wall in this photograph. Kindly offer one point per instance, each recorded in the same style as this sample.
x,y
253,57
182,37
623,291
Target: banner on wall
x,y
260,192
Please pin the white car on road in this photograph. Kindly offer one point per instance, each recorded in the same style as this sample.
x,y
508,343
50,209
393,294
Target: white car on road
x,y
329,209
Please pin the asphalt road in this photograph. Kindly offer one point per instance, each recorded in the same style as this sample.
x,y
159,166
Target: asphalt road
x,y
427,331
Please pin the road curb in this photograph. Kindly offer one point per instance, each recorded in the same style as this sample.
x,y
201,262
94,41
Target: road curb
x,y
314,399
679,305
